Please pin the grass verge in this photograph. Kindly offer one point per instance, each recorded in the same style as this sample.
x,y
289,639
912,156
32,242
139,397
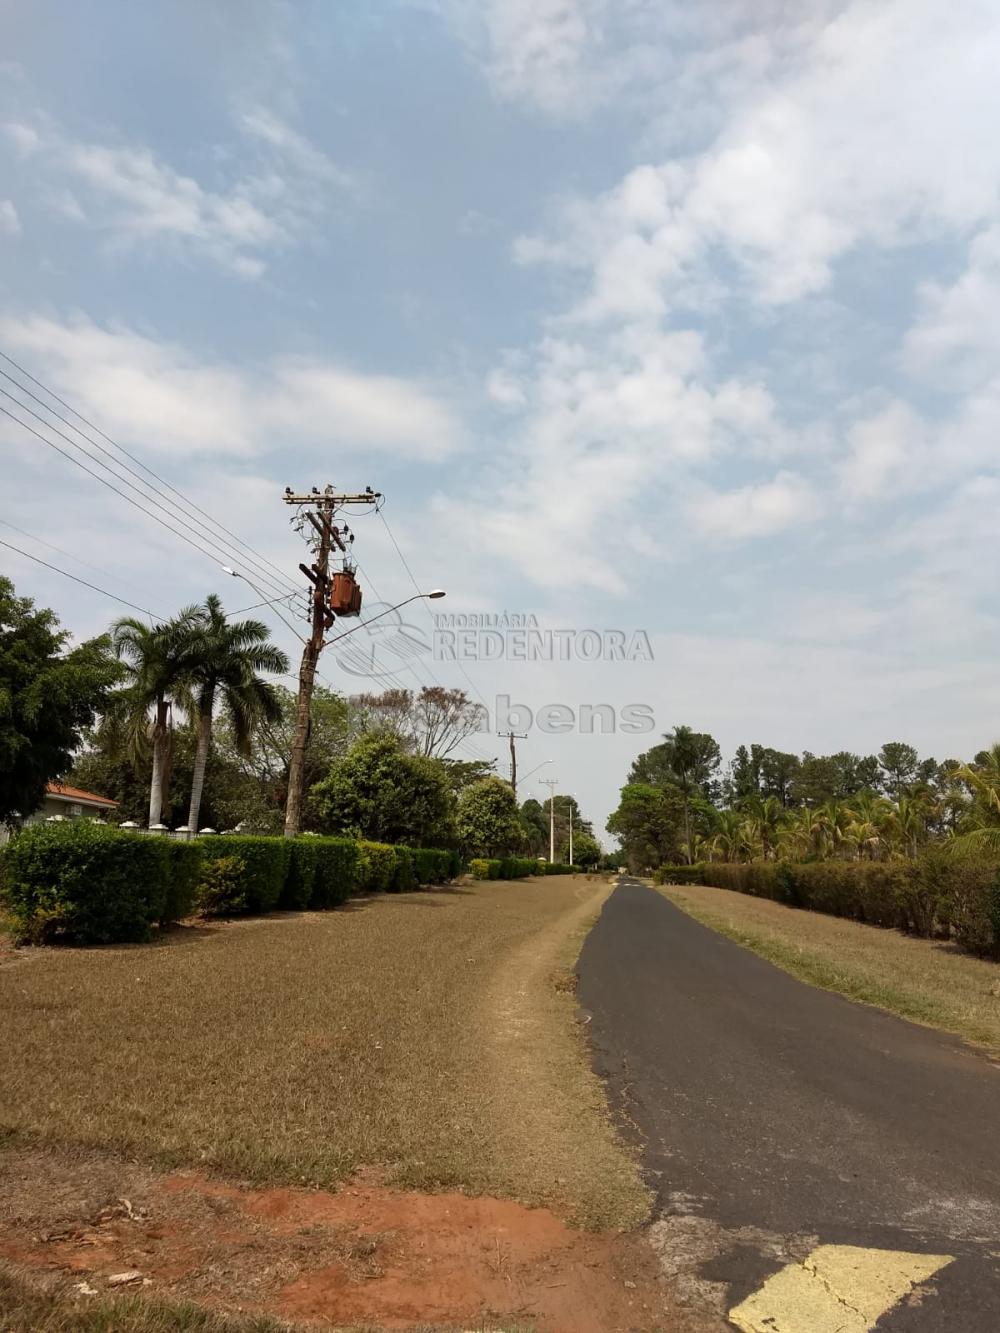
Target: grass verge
x,y
422,1034
922,980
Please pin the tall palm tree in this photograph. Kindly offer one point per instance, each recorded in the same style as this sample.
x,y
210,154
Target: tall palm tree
x,y
223,660
156,659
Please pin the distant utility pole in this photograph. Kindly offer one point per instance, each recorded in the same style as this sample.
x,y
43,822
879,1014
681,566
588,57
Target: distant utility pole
x,y
513,736
552,784
318,508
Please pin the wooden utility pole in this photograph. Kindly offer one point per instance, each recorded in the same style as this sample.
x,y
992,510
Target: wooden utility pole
x,y
513,736
319,508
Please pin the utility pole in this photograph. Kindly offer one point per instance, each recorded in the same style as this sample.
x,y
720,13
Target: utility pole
x,y
552,784
318,508
571,804
513,736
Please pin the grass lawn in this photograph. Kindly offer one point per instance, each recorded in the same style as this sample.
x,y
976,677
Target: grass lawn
x,y
923,980
430,1035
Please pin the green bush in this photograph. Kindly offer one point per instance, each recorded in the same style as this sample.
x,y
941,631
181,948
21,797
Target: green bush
x,y
403,877
431,865
559,868
482,867
264,863
376,867
678,875
454,864
183,875
223,885
966,894
84,883
300,874
337,868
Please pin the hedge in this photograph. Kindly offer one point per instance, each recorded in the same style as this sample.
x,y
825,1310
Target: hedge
x,y
941,892
86,884
265,861
183,867
336,871
516,867
376,867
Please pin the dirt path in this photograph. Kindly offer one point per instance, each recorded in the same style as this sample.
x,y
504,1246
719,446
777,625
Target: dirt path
x,y
364,1255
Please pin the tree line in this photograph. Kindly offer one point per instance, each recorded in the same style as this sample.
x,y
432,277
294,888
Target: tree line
x,y
680,803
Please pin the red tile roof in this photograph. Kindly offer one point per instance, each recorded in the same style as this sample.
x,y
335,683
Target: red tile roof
x,y
77,794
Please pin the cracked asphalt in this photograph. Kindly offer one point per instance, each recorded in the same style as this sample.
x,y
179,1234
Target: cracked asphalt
x,y
790,1134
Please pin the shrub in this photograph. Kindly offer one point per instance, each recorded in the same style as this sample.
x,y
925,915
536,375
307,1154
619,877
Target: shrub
x,y
222,890
403,877
432,866
481,867
966,892
337,871
454,864
376,867
518,867
678,875
264,862
183,875
558,868
84,883
300,874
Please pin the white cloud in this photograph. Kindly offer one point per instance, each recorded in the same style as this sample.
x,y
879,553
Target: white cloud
x,y
161,397
851,143
880,447
957,335
139,198
758,510
10,223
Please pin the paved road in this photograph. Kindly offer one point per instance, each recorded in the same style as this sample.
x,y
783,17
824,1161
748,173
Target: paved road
x,y
775,1118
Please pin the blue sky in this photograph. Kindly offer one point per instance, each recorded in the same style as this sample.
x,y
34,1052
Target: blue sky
x,y
642,315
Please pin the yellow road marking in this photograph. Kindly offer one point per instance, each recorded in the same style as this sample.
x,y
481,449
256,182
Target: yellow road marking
x,y
837,1289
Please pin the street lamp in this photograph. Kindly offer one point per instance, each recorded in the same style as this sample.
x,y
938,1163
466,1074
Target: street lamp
x,y
363,624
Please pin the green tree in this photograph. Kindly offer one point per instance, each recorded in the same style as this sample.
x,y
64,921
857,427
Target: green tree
x,y
535,823
156,659
488,819
49,693
650,825
379,791
586,850
224,659
898,762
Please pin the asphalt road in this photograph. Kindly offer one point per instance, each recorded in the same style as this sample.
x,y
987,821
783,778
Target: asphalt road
x,y
775,1118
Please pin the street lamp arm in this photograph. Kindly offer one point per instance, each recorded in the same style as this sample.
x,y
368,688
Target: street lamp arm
x,y
365,623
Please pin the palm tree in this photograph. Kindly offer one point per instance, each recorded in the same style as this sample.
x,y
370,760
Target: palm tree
x,y
155,657
223,658
727,839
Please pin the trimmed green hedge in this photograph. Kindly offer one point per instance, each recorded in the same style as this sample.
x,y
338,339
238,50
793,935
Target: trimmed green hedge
x,y
336,871
376,867
183,875
941,892
85,884
557,868
265,861
516,867
88,884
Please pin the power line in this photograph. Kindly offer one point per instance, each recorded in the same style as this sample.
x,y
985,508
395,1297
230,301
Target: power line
x,y
219,549
258,558
66,574
98,569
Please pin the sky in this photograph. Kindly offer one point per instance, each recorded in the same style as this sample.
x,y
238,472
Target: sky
x,y
680,321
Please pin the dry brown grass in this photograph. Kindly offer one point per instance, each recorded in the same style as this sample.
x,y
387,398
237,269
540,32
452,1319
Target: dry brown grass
x,y
422,1034
923,980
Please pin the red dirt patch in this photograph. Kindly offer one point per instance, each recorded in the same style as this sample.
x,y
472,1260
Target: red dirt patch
x,y
363,1255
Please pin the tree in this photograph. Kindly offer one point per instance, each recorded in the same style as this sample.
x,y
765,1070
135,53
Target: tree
x,y
535,824
686,759
586,850
463,773
488,822
650,825
379,791
431,722
778,771
156,661
224,658
49,694
898,762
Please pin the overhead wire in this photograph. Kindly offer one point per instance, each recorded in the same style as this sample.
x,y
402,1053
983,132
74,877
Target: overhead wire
x,y
213,556
66,574
258,559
